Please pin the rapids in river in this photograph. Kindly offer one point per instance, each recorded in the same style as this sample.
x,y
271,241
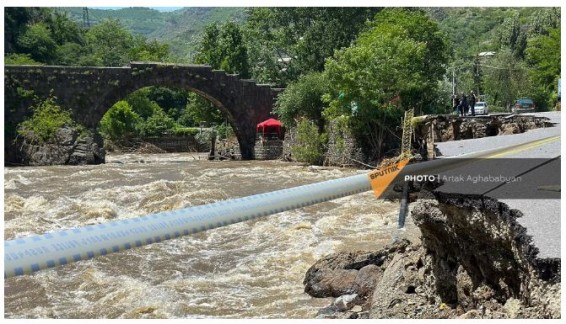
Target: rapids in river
x,y
252,269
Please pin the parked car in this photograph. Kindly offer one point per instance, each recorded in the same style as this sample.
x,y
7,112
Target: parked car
x,y
480,108
523,105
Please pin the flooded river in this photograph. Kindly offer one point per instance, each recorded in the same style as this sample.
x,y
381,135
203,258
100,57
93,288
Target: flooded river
x,y
252,269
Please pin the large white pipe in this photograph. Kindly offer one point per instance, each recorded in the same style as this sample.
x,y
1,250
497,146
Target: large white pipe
x,y
33,253
26,255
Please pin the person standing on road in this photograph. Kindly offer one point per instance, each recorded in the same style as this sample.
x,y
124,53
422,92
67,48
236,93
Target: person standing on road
x,y
463,107
473,102
455,104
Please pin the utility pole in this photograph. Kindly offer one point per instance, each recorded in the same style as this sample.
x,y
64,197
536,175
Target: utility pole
x,y
86,19
477,74
453,84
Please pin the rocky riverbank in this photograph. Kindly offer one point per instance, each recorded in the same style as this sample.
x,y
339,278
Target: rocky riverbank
x,y
69,146
464,258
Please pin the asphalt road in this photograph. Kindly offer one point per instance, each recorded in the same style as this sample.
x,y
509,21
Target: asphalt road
x,y
535,195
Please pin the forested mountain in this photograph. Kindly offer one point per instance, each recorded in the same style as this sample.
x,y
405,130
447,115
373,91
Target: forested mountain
x,y
180,29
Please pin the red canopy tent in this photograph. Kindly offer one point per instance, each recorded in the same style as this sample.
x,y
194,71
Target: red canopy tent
x,y
270,127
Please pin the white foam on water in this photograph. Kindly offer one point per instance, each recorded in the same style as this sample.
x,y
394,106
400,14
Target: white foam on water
x,y
252,269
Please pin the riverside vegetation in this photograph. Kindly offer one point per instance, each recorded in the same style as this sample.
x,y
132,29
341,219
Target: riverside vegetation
x,y
361,67
364,66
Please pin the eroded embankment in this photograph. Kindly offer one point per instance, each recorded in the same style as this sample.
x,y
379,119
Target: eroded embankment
x,y
473,260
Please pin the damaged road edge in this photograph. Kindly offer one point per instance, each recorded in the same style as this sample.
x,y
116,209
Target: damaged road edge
x,y
473,260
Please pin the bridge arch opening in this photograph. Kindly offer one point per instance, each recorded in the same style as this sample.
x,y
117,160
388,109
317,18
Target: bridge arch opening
x,y
152,112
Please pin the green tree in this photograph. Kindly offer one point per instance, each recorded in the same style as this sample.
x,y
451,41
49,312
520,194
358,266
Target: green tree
x,y
157,124
199,110
303,98
73,54
209,51
402,57
506,79
512,36
120,122
37,41
396,65
110,43
543,20
17,20
234,51
543,55
148,51
285,43
141,104
173,101
223,47
64,30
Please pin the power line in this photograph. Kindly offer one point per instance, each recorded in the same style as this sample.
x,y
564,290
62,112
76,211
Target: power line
x,y
503,68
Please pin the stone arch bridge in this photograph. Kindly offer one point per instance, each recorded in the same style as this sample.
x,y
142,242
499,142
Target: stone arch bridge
x,y
90,91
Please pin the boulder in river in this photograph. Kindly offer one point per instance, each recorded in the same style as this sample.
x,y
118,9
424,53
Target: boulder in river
x,y
70,146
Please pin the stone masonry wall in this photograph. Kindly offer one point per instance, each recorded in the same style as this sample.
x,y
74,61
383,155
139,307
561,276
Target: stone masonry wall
x,y
269,149
88,92
343,149
176,143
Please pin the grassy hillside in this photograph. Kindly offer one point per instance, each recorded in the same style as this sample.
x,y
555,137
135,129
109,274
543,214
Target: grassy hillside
x,y
180,29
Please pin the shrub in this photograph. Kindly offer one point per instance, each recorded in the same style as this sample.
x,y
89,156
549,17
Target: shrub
x,y
120,121
193,131
20,59
157,124
205,137
310,144
47,119
224,131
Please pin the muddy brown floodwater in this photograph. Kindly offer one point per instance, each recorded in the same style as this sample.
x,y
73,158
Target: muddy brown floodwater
x,y
252,269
